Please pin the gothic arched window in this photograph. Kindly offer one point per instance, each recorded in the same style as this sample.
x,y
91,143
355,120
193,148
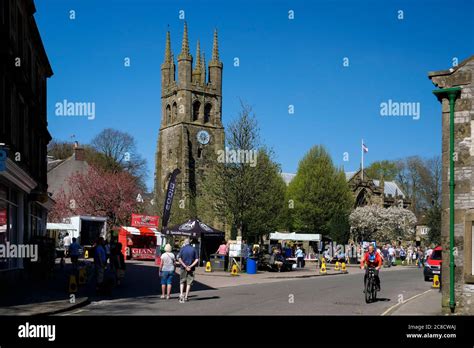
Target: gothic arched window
x,y
207,113
168,114
196,107
175,112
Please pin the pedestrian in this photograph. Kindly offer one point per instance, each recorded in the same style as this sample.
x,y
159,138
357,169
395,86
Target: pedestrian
x,y
167,272
420,258
409,255
299,257
117,262
403,255
67,244
391,253
223,251
107,252
188,259
99,263
74,253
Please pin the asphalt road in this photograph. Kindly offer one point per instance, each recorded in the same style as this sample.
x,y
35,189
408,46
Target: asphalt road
x,y
330,295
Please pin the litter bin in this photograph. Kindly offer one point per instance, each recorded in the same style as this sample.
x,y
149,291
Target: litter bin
x,y
251,266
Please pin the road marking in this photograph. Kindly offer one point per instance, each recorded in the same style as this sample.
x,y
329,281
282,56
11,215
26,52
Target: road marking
x,y
401,303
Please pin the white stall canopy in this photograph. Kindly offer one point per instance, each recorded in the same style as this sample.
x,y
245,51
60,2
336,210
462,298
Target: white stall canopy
x,y
295,236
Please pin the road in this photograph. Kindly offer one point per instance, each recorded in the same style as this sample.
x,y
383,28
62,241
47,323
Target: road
x,y
329,295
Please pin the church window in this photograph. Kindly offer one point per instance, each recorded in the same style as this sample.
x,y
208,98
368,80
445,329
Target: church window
x,y
199,153
207,113
168,114
175,112
196,107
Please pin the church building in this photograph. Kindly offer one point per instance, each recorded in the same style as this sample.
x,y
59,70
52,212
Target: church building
x,y
191,130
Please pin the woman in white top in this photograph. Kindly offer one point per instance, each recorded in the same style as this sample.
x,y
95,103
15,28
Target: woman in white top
x,y
167,271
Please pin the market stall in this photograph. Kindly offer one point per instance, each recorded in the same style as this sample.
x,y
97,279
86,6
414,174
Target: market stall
x,y
311,239
206,238
139,243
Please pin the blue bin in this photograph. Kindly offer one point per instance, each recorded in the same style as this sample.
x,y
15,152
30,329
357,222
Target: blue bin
x,y
251,266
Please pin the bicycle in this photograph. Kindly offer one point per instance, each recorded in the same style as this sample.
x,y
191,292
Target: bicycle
x,y
370,286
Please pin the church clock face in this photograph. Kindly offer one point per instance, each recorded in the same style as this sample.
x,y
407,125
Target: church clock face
x,y
203,137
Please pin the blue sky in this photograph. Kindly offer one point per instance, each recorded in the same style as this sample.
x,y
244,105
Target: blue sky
x,y
282,62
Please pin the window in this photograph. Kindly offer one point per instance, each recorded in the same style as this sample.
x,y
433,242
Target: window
x,y
196,107
199,153
207,113
168,114
175,112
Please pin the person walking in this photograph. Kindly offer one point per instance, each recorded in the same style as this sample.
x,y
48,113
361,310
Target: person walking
x,y
117,262
403,255
166,270
99,263
188,259
223,251
74,253
67,244
409,255
299,257
421,258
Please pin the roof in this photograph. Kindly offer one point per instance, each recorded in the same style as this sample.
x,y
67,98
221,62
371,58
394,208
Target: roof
x,y
450,70
390,188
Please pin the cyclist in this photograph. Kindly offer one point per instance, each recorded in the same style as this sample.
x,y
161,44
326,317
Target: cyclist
x,y
373,260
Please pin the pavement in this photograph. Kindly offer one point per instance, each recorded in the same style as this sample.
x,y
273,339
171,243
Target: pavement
x,y
427,303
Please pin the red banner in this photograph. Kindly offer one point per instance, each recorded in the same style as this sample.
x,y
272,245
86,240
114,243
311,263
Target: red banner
x,y
144,220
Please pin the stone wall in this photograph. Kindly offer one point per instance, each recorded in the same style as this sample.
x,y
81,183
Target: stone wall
x,y
460,76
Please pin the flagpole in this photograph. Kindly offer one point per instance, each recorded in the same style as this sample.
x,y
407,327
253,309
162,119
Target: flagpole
x,y
362,162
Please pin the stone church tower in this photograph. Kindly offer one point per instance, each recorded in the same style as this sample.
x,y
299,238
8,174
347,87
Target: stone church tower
x,y
191,130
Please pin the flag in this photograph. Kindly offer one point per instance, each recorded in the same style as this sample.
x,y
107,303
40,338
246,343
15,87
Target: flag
x,y
169,198
365,148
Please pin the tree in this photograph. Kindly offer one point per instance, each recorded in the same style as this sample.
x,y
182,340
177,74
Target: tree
x,y
116,151
60,149
382,169
98,193
248,196
320,193
382,224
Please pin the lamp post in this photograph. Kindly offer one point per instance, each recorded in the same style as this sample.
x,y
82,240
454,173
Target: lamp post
x,y
451,94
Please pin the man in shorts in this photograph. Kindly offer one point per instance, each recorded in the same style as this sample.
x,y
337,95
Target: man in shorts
x,y
188,259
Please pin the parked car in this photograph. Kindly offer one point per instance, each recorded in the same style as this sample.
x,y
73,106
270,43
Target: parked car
x,y
433,264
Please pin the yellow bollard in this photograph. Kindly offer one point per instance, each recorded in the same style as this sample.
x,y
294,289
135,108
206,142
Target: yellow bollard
x,y
234,271
343,268
322,270
435,281
72,284
86,254
82,276
337,266
208,267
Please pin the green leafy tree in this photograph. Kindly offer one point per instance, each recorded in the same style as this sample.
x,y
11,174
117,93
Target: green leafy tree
x,y
383,169
322,198
247,197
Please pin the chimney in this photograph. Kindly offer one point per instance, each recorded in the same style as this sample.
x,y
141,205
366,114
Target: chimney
x,y
79,154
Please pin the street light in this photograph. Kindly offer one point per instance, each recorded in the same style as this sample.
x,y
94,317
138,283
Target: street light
x,y
451,94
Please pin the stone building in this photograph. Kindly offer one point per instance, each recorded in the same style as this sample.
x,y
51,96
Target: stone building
x,y
191,130
460,76
367,191
24,70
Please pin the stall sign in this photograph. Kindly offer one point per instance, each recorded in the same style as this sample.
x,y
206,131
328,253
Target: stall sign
x,y
143,253
144,220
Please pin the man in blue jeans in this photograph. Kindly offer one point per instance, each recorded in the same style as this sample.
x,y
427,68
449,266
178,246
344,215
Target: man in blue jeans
x,y
188,259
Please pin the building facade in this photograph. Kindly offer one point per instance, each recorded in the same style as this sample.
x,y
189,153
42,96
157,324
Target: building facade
x,y
24,70
460,76
191,130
